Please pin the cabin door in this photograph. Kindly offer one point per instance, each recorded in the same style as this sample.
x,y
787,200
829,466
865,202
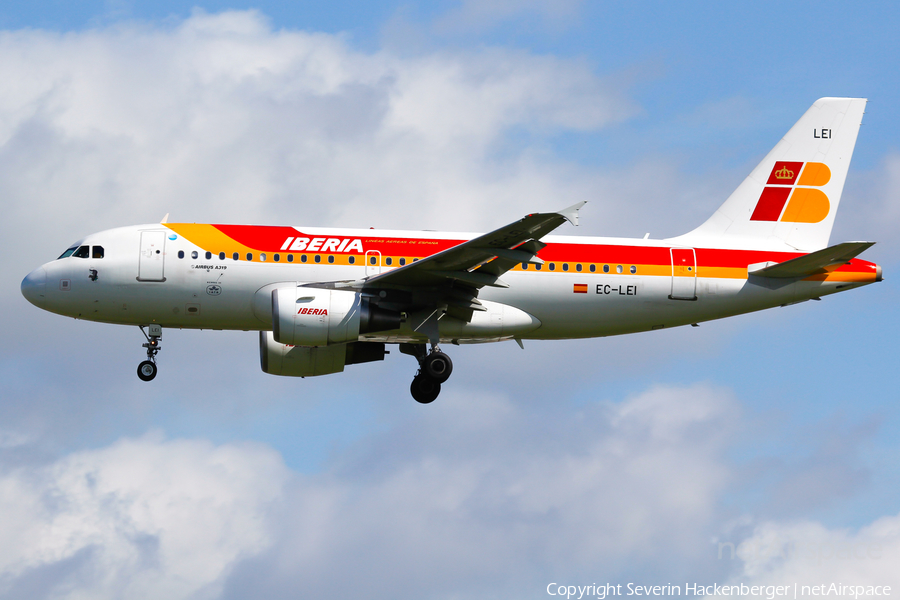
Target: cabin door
x,y
684,274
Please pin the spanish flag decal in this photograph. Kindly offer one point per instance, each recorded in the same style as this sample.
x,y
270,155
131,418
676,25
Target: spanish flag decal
x,y
791,194
580,288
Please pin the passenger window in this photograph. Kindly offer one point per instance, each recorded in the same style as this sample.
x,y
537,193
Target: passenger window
x,y
68,252
402,261
262,257
565,266
96,251
208,255
249,256
524,266
593,268
235,256
619,269
82,252
552,266
277,258
633,269
578,267
318,258
537,267
330,258
372,260
388,261
290,258
606,268
303,258
181,254
221,256
194,254
351,259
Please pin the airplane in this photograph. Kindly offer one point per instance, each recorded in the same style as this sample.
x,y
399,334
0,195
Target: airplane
x,y
325,298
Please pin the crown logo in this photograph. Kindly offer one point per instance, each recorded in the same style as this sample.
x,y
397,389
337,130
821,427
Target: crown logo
x,y
784,173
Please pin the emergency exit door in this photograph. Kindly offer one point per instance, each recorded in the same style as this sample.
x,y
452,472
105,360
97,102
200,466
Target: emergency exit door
x,y
684,274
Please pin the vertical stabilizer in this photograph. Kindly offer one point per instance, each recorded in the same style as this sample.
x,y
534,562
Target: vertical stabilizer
x,y
792,196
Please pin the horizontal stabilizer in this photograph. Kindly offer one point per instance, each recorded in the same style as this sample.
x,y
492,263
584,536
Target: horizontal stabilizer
x,y
814,263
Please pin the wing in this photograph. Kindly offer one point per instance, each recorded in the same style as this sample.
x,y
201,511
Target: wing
x,y
451,279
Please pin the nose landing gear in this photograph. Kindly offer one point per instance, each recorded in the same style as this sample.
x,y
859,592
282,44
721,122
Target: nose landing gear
x,y
434,369
147,370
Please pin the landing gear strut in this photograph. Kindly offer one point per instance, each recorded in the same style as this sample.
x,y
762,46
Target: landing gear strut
x,y
147,370
434,369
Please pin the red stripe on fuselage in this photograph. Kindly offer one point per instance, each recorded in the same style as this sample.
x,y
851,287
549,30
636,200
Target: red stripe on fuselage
x,y
655,255
269,238
262,238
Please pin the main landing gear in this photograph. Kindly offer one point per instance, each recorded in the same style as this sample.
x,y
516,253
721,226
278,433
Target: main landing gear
x,y
147,370
434,369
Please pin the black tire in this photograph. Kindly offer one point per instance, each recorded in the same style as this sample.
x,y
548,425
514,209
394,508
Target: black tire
x,y
424,390
147,370
437,366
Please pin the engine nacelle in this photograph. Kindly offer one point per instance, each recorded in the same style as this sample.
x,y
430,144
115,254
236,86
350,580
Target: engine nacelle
x,y
303,316
304,361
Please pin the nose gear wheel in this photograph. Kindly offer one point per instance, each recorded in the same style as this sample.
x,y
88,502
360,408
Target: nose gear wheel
x,y
147,370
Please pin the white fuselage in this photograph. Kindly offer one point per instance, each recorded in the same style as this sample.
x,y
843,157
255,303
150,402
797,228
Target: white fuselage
x,y
140,284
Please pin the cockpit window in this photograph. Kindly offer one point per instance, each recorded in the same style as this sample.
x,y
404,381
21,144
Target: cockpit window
x,y
82,252
68,252
96,251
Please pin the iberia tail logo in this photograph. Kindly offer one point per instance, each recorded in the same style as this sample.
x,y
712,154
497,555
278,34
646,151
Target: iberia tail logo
x,y
791,194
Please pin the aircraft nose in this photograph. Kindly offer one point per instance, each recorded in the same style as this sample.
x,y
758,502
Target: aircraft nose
x,y
34,286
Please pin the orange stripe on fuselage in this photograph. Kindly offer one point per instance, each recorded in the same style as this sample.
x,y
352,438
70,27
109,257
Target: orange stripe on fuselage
x,y
209,238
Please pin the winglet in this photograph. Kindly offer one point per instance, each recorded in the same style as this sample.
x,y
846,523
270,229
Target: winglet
x,y
571,214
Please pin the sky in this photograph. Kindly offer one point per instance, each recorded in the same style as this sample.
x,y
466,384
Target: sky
x,y
758,450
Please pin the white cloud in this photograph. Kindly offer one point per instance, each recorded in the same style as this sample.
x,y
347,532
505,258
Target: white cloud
x,y
481,496
223,118
142,518
478,492
808,553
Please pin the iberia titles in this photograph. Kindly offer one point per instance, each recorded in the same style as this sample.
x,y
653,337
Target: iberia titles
x,y
321,244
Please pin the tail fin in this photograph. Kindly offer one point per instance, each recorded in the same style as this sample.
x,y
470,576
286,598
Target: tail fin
x,y
792,196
